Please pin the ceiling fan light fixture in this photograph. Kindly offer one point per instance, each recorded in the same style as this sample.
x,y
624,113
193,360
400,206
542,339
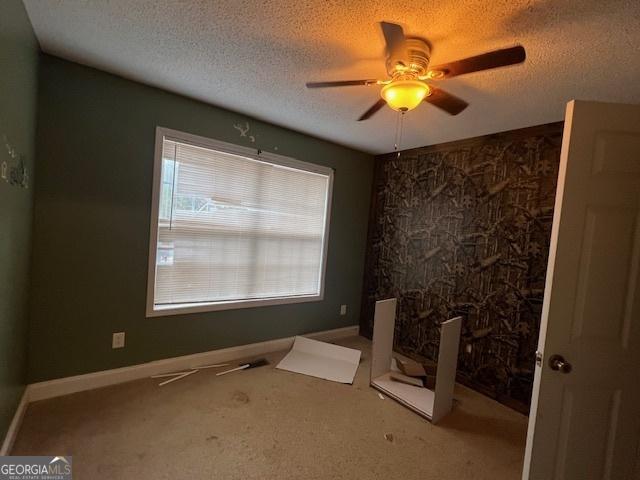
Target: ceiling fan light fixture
x,y
407,63
405,95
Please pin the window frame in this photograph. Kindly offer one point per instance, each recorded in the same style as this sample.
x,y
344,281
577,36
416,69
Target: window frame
x,y
184,308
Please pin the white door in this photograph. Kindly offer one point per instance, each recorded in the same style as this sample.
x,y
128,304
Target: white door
x,y
585,411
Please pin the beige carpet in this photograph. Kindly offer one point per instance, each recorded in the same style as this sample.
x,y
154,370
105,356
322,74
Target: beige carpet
x,y
271,424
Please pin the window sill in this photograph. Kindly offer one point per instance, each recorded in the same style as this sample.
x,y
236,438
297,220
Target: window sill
x,y
186,308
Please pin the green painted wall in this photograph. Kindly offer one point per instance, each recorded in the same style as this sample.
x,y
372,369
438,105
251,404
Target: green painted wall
x,y
91,226
18,80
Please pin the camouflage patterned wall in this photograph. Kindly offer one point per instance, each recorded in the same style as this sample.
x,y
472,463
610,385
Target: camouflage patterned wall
x,y
463,229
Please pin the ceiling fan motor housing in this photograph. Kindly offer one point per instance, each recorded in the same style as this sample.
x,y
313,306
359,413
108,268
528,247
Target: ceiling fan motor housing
x,y
416,63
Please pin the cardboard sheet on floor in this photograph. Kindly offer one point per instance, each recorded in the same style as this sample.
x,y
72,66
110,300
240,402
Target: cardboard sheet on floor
x,y
321,360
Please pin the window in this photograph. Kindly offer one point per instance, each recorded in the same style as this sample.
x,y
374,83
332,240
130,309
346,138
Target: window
x,y
232,228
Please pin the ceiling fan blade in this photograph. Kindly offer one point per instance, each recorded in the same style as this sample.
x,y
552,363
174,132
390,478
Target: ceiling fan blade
x,y
395,42
445,101
341,83
374,108
485,61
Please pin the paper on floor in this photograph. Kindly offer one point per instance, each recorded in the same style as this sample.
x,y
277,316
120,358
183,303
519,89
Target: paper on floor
x,y
322,360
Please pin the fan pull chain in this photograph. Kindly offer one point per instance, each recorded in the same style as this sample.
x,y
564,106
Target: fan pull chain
x,y
399,128
395,138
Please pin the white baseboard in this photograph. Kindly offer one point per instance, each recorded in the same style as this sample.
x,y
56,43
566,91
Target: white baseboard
x,y
14,426
78,383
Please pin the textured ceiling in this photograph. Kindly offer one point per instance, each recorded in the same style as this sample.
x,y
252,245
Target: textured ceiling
x,y
254,57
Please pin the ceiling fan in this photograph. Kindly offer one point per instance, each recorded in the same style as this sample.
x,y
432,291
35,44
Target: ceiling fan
x,y
408,66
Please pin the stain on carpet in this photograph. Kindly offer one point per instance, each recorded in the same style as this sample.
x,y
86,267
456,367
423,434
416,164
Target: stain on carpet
x,y
240,397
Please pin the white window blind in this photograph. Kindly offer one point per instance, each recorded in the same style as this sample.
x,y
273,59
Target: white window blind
x,y
231,228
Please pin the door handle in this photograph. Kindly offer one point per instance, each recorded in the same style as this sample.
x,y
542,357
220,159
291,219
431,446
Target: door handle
x,y
559,364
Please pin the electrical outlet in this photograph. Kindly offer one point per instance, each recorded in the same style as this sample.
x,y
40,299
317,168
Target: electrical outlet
x,y
343,309
118,340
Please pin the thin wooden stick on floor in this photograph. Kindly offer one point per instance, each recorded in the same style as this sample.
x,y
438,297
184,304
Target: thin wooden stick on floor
x,y
177,378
